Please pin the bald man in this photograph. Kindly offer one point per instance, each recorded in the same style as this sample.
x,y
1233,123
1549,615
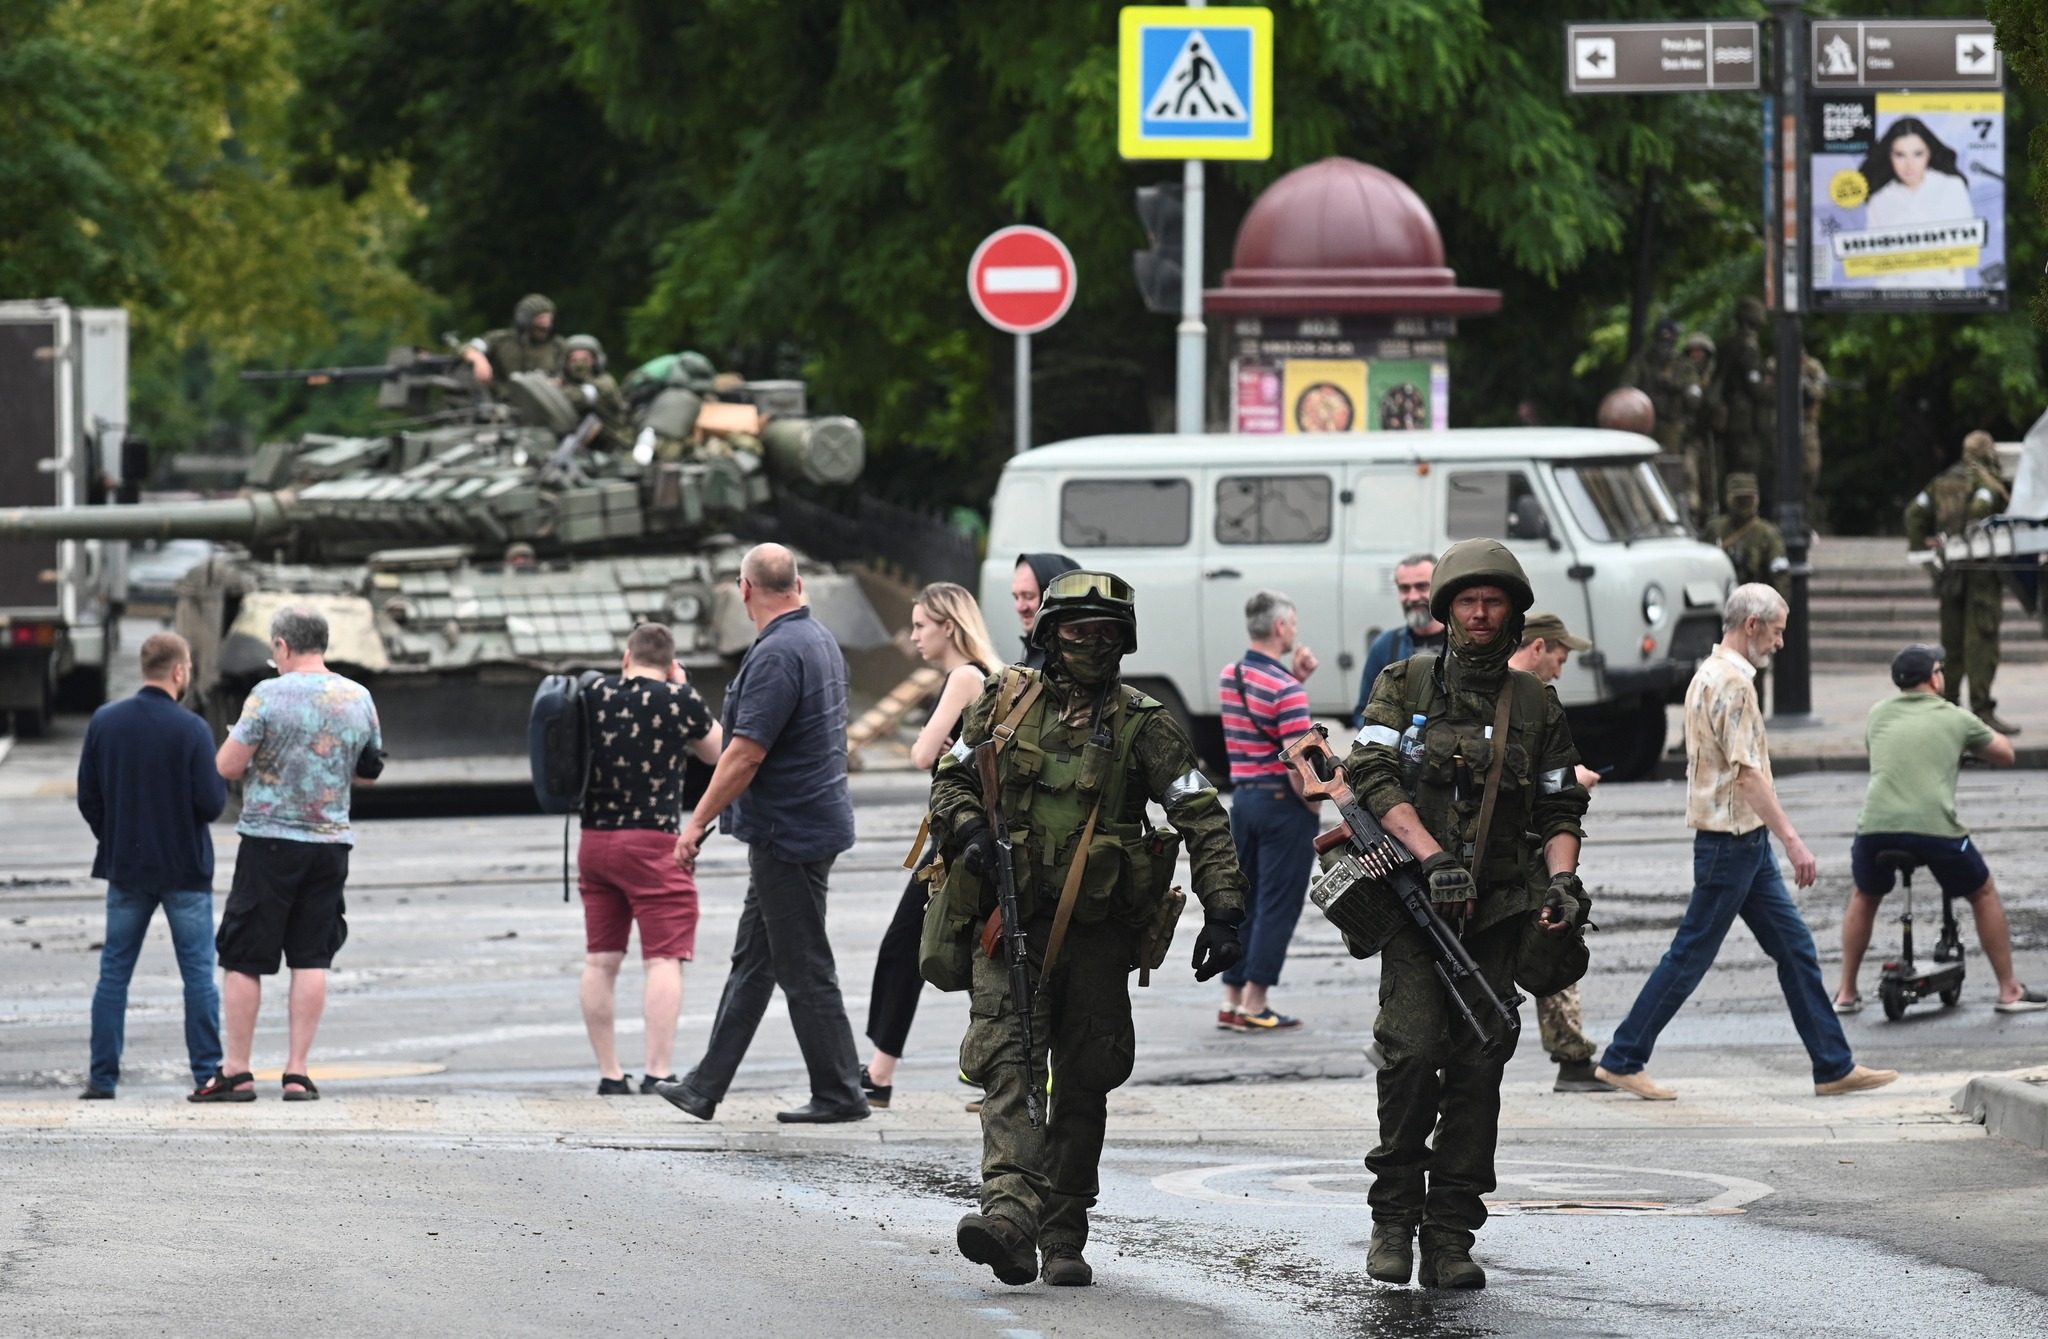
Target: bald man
x,y
780,787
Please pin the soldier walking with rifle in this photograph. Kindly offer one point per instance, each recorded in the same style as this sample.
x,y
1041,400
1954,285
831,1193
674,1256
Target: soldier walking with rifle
x,y
1469,767
1062,886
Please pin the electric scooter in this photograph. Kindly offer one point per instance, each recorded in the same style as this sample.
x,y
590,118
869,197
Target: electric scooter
x,y
1905,981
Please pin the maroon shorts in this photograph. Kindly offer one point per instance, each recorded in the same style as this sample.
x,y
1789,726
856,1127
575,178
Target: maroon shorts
x,y
629,875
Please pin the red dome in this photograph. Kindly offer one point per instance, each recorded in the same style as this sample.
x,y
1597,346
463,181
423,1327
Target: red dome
x,y
1342,236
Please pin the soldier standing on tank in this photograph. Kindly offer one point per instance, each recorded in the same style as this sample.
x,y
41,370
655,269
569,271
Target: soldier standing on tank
x,y
531,345
1434,1077
1038,1182
1673,386
592,391
1972,597
1753,544
1745,394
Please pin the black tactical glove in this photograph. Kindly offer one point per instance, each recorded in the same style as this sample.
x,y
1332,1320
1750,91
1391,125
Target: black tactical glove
x,y
1448,881
1217,947
1565,905
976,847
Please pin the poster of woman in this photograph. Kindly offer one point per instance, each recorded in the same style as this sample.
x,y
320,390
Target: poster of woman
x,y
1909,202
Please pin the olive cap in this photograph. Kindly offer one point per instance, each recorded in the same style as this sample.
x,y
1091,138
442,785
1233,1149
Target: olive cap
x,y
1739,484
1551,629
1081,596
1478,562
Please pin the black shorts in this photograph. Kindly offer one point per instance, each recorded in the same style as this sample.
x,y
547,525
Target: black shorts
x,y
286,901
1954,862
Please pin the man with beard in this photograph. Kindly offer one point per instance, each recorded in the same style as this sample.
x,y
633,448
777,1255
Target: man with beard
x,y
1498,843
531,345
1078,756
1733,808
1419,630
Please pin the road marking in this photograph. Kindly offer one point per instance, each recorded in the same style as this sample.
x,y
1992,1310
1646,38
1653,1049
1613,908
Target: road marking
x,y
1596,1194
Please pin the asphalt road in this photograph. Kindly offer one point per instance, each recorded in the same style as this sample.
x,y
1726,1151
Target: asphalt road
x,y
465,1179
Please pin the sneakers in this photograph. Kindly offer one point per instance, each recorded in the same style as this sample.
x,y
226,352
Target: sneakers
x,y
2027,1003
1576,1076
1065,1267
619,1087
999,1244
1391,1256
1857,1080
1639,1083
1265,1020
1230,1020
647,1081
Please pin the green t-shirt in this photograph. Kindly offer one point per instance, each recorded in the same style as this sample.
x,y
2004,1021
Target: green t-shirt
x,y
1917,742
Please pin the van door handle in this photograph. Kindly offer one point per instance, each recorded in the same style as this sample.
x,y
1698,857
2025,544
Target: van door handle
x,y
1222,573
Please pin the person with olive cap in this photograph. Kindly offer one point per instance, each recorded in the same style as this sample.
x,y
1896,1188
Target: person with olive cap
x,y
1493,816
530,345
1972,595
1080,754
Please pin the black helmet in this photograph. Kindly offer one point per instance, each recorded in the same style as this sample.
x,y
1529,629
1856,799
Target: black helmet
x,y
1080,596
1478,562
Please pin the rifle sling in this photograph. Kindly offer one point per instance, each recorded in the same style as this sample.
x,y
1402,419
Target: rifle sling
x,y
1493,771
1071,892
1000,735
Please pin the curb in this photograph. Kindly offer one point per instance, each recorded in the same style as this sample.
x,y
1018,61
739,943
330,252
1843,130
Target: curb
x,y
2033,758
2007,1107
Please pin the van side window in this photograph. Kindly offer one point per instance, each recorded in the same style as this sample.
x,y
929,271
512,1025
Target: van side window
x,y
1126,513
1494,504
1273,509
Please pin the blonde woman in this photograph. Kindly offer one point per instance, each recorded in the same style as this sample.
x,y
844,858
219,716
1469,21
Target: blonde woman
x,y
947,629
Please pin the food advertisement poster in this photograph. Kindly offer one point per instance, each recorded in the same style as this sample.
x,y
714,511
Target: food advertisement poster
x,y
1908,194
1324,394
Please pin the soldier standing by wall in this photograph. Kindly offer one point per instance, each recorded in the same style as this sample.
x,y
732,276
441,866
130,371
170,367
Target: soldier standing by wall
x,y
1077,743
1972,598
1699,447
1673,386
1745,394
1435,1077
1753,544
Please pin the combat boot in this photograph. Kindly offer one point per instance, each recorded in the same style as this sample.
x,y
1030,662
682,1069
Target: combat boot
x,y
999,1244
1391,1257
1990,718
1446,1265
1065,1266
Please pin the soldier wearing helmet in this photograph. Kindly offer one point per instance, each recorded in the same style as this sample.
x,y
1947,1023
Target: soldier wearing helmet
x,y
1496,755
592,390
1972,597
530,345
1080,755
1745,392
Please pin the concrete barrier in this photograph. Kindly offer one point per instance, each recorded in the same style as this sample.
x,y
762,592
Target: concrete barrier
x,y
2011,1108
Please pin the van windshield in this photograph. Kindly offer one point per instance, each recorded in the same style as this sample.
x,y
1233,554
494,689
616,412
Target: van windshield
x,y
1620,500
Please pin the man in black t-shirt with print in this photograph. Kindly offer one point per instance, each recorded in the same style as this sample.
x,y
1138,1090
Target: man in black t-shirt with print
x,y
642,721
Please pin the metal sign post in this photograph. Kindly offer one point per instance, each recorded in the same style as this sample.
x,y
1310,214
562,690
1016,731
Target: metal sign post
x,y
1792,674
1021,280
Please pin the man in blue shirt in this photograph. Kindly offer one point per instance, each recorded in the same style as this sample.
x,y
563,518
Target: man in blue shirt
x,y
1418,631
147,788
780,786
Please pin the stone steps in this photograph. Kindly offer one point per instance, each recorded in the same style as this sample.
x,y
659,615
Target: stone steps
x,y
1867,601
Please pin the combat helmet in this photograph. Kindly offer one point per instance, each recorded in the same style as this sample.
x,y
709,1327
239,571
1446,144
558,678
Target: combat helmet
x,y
530,306
1080,596
584,344
1477,562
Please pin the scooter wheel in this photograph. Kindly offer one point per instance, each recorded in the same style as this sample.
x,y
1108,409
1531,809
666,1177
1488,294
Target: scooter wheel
x,y
1952,997
1894,1001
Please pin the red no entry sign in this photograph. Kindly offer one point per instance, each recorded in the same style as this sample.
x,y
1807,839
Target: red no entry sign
x,y
1021,279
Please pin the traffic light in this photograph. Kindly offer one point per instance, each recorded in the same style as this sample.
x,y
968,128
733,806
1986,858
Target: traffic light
x,y
1158,269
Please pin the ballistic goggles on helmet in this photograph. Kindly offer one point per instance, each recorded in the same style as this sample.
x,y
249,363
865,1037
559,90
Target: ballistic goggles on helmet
x,y
1082,585
1076,597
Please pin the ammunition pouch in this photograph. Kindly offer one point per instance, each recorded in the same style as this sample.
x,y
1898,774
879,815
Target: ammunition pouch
x,y
1546,963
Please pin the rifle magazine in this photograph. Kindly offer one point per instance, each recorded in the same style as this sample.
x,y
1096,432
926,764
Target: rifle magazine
x,y
1366,910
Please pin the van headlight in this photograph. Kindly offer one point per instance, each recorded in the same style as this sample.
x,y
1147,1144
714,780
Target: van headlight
x,y
1653,604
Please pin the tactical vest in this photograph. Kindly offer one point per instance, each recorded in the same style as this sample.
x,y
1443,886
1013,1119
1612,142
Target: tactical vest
x,y
1047,797
1451,783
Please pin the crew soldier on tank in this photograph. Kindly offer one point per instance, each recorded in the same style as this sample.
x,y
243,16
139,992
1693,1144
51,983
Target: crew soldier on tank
x,y
1434,1076
1038,1182
1753,544
592,390
531,345
1972,598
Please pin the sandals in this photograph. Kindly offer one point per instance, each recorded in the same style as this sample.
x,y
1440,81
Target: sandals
x,y
1852,1005
311,1094
221,1088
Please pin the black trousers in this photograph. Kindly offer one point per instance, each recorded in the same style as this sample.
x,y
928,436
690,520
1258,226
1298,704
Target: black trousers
x,y
892,1000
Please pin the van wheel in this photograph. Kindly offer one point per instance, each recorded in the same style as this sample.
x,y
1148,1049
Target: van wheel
x,y
1625,736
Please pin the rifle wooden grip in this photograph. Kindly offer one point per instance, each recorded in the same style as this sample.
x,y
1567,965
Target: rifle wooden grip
x,y
1336,836
1322,775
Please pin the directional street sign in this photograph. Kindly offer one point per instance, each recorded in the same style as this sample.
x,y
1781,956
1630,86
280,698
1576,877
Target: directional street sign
x,y
1195,83
1021,279
1661,57
1906,53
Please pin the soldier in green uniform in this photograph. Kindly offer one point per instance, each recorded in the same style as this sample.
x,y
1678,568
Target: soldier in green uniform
x,y
1078,742
591,390
1674,390
1972,598
1701,456
1745,394
1434,1077
531,345
1753,544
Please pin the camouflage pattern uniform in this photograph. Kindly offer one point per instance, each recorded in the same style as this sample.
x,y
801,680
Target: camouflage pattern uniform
x,y
1043,1181
515,349
1435,1078
1672,384
592,390
1745,394
1563,1028
1753,544
1972,598
1699,446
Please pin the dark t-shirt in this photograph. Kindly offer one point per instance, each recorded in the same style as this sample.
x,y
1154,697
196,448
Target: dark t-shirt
x,y
790,697
640,730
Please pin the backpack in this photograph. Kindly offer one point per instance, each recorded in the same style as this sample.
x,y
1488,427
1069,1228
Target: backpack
x,y
558,749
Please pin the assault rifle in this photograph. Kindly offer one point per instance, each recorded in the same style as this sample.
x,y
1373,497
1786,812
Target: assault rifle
x,y
1014,943
405,363
1375,889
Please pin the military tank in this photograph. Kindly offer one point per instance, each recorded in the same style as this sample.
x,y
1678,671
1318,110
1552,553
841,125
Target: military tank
x,y
460,558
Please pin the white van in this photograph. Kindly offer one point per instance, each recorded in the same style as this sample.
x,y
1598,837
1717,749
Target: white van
x,y
1198,523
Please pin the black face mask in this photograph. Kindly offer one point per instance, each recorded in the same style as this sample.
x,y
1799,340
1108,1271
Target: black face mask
x,y
1093,659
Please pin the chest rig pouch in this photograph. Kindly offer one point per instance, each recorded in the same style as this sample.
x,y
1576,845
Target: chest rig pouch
x,y
1460,750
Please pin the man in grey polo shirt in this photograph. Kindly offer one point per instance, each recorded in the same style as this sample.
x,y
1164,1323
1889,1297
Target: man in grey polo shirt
x,y
780,787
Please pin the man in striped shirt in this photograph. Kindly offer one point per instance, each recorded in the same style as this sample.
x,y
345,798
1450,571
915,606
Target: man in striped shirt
x,y
1265,709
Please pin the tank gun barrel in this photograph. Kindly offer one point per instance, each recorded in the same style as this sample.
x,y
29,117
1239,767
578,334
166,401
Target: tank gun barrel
x,y
419,365
254,517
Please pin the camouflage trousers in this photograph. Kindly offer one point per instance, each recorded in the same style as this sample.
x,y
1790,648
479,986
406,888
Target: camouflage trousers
x,y
1436,1080
1044,1180
1972,607
1564,1037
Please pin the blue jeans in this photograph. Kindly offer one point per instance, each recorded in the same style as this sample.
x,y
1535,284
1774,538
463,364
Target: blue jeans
x,y
1735,876
1275,836
190,916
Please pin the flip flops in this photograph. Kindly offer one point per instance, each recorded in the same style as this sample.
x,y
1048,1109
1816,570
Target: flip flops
x,y
311,1094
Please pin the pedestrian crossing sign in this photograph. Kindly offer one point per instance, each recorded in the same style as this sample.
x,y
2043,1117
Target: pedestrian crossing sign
x,y
1195,83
